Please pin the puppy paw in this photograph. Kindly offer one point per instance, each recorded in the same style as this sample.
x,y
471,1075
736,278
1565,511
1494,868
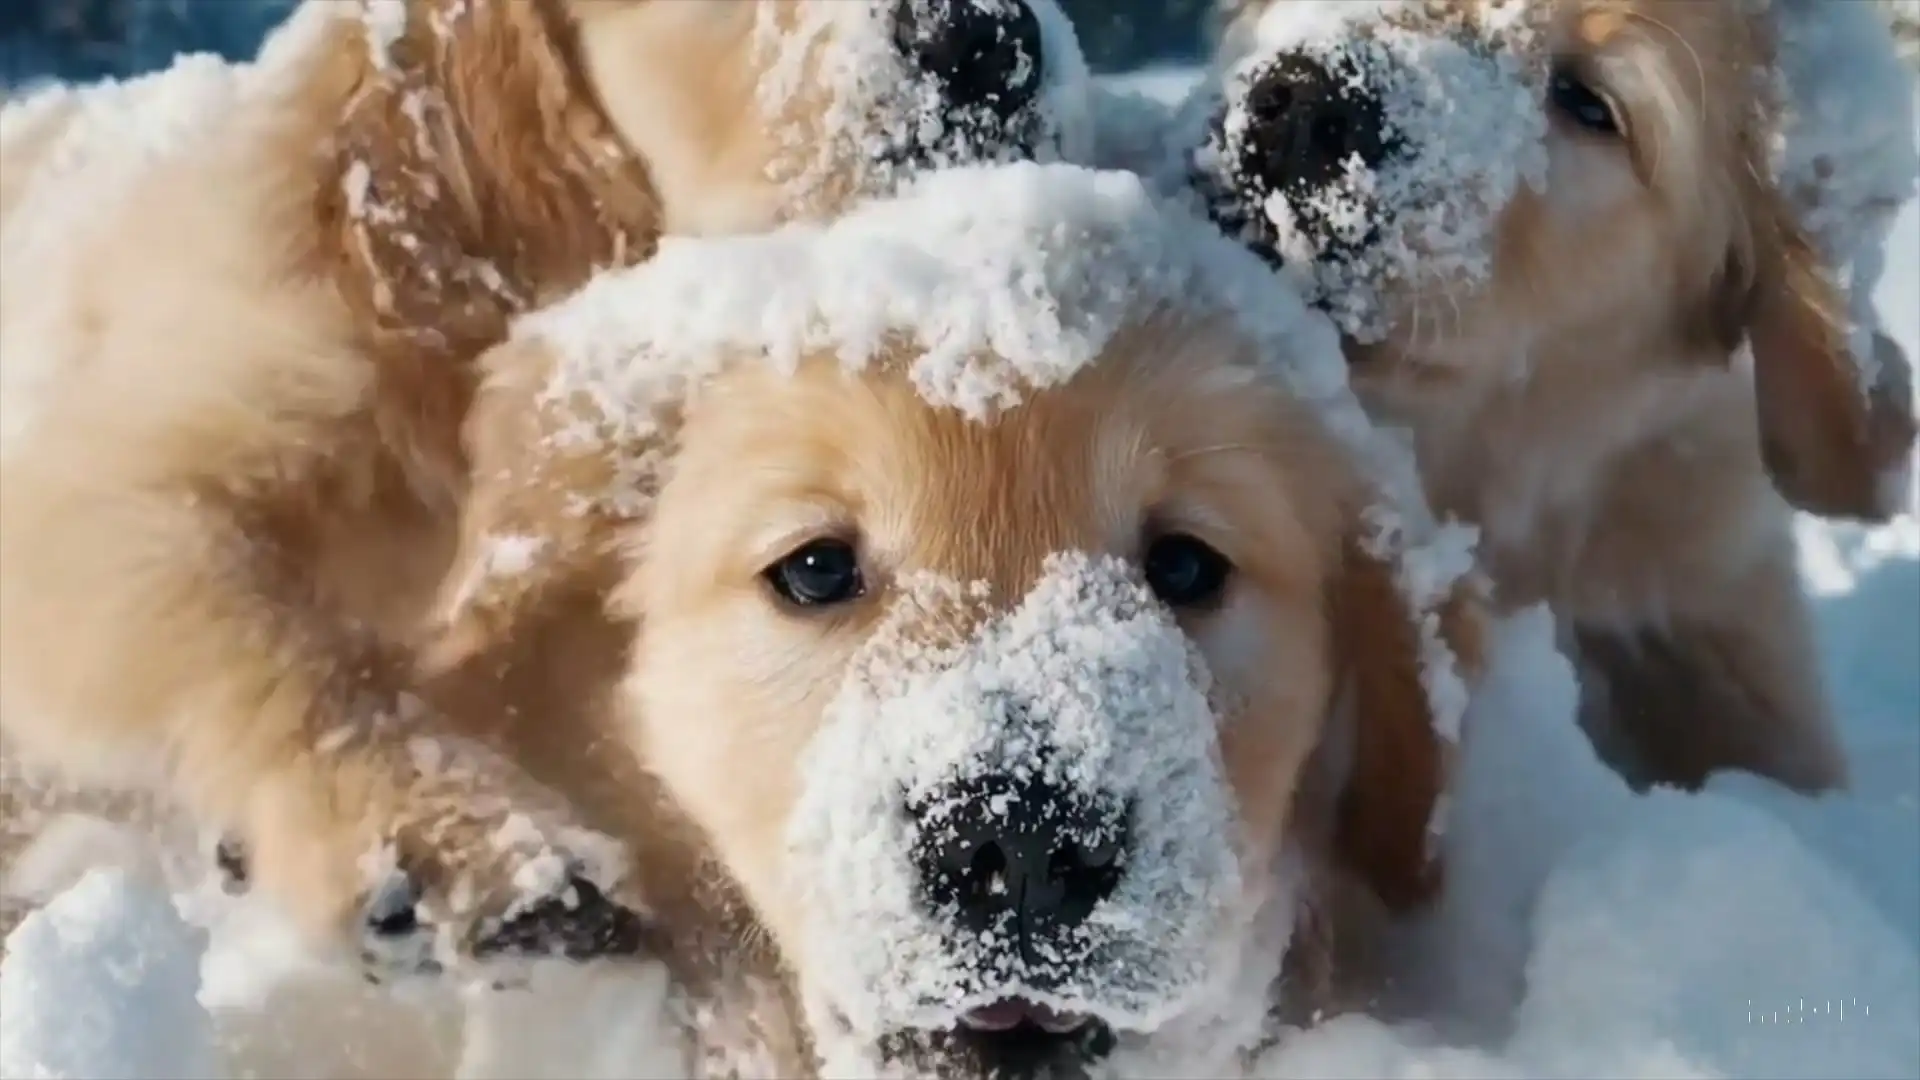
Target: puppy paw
x,y
400,937
458,864
578,923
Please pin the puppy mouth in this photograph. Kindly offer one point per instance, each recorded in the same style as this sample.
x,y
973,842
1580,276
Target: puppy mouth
x,y
1012,1038
1014,1013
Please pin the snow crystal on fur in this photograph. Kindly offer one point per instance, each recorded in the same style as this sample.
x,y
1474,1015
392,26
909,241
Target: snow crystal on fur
x,y
1464,129
876,106
1090,682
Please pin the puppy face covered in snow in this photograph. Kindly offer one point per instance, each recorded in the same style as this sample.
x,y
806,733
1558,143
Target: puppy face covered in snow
x,y
1482,190
998,557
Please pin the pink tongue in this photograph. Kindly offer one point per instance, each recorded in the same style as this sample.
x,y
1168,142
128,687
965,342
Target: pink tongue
x,y
1005,1015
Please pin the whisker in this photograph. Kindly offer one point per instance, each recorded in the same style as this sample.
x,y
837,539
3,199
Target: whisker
x,y
1219,448
1668,98
1693,54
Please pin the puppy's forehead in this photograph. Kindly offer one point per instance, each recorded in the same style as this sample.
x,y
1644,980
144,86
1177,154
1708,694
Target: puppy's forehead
x,y
1164,434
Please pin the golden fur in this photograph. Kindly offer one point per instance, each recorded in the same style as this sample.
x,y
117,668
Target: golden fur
x,y
233,464
723,687
1585,410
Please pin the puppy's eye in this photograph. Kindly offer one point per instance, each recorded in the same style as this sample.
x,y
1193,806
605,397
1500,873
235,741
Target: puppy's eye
x,y
819,573
1184,572
1582,104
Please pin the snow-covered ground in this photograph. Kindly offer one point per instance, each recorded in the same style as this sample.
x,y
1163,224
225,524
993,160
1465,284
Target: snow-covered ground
x,y
1741,932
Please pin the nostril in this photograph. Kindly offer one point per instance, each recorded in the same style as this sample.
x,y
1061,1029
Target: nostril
x,y
1330,135
1083,873
984,54
972,874
1307,123
984,879
1022,854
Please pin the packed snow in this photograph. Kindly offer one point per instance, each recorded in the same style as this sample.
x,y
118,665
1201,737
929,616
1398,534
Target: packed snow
x,y
1587,931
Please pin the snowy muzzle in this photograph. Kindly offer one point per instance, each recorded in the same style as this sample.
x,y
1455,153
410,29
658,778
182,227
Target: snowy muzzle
x,y
1026,808
933,83
1367,151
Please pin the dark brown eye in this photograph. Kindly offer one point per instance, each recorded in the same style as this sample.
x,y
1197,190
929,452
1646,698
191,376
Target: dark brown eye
x,y
818,574
1582,104
1184,571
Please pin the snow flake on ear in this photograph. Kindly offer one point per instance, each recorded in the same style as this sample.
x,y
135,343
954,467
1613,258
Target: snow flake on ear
x,y
1427,571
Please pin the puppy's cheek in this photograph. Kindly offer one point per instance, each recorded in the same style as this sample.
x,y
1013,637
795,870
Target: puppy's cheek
x,y
1268,668
727,707
1232,640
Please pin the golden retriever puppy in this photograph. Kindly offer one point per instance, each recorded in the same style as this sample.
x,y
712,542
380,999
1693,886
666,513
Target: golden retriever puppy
x,y
1017,659
238,309
1547,230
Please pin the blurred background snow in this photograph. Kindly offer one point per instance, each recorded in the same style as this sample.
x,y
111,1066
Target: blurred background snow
x,y
75,39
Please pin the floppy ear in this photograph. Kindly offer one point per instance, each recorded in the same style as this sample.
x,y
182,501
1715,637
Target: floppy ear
x,y
1401,759
1832,446
473,173
546,500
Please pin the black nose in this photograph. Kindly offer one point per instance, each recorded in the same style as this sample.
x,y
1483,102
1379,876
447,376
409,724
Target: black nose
x,y
1307,122
984,54
1002,848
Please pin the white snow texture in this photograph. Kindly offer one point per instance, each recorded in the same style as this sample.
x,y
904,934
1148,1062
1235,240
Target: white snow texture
x,y
1740,932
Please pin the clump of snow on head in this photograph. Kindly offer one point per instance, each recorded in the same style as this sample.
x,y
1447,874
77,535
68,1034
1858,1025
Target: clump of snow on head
x,y
1846,153
993,281
1458,101
878,109
1087,687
